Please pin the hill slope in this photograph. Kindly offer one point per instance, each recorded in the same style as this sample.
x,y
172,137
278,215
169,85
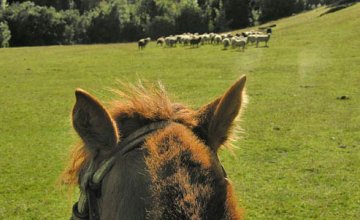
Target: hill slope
x,y
300,153
301,140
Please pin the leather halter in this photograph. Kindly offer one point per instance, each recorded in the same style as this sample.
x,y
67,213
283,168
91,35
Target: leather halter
x,y
86,208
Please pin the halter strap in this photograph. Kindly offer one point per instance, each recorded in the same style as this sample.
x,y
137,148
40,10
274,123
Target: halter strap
x,y
86,207
126,146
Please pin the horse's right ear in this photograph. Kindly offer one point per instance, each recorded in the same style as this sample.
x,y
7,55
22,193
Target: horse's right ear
x,y
93,123
217,117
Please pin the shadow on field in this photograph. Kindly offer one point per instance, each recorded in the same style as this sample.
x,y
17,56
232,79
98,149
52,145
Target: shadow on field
x,y
238,51
339,5
192,48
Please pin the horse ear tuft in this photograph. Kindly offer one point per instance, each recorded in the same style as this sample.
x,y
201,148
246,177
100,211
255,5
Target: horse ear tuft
x,y
217,117
93,123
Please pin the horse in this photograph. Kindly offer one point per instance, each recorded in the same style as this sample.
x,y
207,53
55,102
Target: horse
x,y
145,157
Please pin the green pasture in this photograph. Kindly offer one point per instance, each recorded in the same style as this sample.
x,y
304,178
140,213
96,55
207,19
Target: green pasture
x,y
299,156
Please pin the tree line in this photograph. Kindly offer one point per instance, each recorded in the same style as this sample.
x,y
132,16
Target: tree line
x,y
51,22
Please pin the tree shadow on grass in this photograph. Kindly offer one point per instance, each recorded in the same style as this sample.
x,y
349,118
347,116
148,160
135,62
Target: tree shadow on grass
x,y
339,5
192,48
238,51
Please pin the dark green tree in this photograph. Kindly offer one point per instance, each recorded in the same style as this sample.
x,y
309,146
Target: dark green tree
x,y
219,20
161,26
5,34
299,6
84,5
105,25
274,9
237,13
57,4
191,19
75,31
34,25
132,29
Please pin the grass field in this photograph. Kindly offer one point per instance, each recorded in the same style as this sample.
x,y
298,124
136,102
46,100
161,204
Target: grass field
x,y
299,157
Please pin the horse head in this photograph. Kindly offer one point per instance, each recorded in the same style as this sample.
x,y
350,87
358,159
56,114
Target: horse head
x,y
149,158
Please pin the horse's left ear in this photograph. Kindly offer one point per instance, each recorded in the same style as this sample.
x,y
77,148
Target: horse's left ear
x,y
93,123
216,118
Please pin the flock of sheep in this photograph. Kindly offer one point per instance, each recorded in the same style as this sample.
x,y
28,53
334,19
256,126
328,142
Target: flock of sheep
x,y
239,40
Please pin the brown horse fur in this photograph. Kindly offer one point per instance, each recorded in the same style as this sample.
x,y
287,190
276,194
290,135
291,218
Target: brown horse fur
x,y
186,177
171,151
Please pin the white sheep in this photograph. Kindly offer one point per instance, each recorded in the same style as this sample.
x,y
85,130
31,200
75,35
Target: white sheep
x,y
238,42
212,37
160,41
205,38
232,40
185,39
226,42
170,41
217,39
262,38
251,38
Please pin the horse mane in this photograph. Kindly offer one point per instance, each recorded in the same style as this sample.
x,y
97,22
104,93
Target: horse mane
x,y
150,102
147,101
78,158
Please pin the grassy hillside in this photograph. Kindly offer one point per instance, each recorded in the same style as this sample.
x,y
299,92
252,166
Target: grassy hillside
x,y
299,157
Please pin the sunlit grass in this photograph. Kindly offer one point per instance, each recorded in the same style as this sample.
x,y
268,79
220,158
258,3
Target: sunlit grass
x,y
299,157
